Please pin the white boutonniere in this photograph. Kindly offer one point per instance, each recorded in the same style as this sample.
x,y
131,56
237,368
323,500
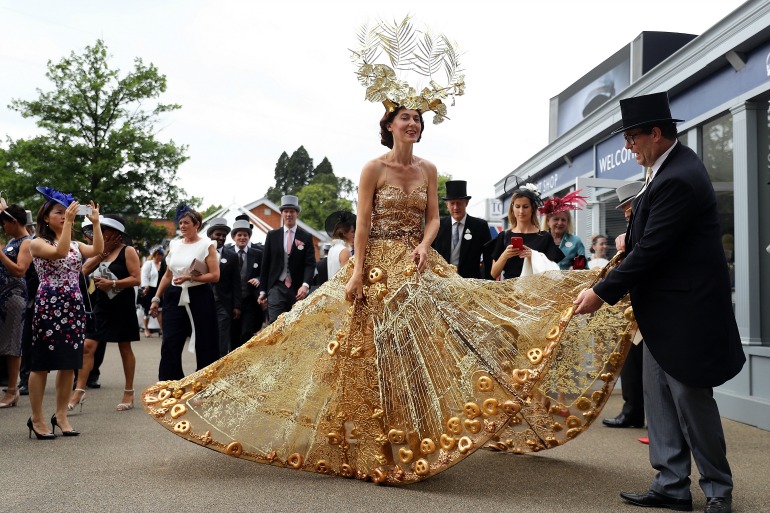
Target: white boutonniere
x,y
224,260
9,249
568,244
255,265
300,245
468,235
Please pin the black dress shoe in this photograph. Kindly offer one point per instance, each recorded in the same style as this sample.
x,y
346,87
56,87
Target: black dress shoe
x,y
621,421
23,390
719,505
94,384
651,499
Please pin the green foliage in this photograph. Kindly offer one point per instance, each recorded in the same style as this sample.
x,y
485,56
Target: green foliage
x,y
441,182
324,168
145,234
318,200
99,138
281,179
210,210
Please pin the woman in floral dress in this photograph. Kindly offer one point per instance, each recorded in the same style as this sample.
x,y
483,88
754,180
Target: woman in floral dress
x,y
58,325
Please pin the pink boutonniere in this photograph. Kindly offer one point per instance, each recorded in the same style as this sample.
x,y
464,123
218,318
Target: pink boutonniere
x,y
300,245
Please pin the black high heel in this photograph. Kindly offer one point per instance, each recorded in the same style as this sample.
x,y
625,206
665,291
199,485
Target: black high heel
x,y
55,424
40,436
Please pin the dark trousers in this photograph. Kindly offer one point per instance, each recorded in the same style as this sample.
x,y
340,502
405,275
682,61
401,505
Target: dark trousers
x,y
26,347
225,322
177,327
632,384
280,299
252,318
684,424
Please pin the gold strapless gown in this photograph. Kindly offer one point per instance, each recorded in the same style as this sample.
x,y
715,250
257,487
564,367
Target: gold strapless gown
x,y
424,371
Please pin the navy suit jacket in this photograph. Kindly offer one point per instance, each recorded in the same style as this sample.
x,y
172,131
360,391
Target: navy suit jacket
x,y
676,272
228,289
475,235
301,261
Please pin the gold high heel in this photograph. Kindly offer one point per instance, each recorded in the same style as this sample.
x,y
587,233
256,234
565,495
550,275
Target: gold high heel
x,y
71,406
127,406
12,402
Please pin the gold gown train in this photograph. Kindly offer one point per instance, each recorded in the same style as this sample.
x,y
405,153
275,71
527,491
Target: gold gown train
x,y
405,383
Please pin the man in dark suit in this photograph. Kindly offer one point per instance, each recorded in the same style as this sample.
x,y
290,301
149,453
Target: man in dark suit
x,y
288,262
461,238
227,297
249,261
676,272
632,414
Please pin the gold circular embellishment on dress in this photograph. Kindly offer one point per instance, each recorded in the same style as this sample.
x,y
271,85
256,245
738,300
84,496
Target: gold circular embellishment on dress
x,y
421,467
566,314
151,400
378,476
535,355
410,270
572,433
447,442
583,403
427,446
322,466
615,359
234,449
376,274
179,392
334,438
606,377
489,407
554,333
628,314
473,426
182,427
346,470
440,271
464,445
295,460
332,347
454,425
178,410
380,290
171,401
405,455
186,396
573,421
396,436
520,375
511,407
597,396
472,410
164,394
485,384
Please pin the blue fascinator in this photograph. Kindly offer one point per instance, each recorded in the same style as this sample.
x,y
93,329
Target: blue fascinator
x,y
51,194
182,210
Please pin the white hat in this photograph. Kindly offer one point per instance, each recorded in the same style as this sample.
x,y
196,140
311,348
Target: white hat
x,y
627,192
290,201
241,225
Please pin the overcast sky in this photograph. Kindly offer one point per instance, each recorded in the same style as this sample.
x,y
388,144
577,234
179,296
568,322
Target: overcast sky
x,y
258,78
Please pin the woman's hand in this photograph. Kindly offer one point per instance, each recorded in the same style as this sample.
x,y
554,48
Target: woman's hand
x,y
154,308
180,280
71,212
420,257
355,287
94,216
103,284
524,252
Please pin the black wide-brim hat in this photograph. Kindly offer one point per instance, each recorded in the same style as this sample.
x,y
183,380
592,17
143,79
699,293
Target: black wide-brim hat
x,y
644,110
335,218
456,189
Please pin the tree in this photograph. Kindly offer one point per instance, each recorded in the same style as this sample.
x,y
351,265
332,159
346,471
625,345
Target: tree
x,y
291,174
324,168
274,193
99,138
441,188
318,200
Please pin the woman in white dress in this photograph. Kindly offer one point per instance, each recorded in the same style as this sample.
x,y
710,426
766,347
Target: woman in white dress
x,y
149,285
341,226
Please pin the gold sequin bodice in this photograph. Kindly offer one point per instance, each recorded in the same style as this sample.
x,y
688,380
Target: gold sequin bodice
x,y
397,214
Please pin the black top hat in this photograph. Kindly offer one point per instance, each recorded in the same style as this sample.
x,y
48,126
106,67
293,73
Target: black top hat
x,y
646,109
456,189
335,218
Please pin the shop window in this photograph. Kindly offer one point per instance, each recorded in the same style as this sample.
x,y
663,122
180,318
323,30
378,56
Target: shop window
x,y
717,144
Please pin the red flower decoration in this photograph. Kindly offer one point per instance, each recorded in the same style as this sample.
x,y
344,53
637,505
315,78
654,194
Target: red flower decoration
x,y
554,205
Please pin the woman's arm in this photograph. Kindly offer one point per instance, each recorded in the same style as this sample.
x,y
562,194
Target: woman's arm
x,y
23,259
420,253
132,264
344,257
366,187
42,249
98,245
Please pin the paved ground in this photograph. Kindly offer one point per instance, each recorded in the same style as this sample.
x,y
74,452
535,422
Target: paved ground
x,y
125,462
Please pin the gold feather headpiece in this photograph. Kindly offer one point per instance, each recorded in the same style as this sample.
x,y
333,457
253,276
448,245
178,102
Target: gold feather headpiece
x,y
412,51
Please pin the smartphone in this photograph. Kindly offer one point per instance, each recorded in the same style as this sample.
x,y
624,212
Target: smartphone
x,y
84,210
517,242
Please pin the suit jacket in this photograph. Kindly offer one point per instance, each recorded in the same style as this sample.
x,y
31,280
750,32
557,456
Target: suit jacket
x,y
475,235
677,275
227,290
301,259
253,268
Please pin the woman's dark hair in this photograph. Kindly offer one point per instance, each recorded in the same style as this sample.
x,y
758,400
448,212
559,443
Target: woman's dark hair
x,y
42,229
596,239
194,215
341,228
386,137
16,212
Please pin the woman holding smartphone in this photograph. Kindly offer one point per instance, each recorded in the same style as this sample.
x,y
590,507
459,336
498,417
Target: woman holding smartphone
x,y
524,236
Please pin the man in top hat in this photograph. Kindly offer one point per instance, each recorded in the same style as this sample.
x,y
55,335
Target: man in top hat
x,y
676,273
288,262
227,291
632,414
249,261
461,238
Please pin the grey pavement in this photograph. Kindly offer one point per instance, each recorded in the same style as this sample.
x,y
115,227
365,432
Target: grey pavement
x,y
126,462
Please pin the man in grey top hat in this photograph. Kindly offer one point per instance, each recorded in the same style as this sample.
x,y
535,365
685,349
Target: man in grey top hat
x,y
288,262
227,297
461,237
676,273
249,260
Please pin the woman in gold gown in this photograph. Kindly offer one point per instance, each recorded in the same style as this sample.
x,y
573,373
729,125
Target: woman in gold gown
x,y
397,368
